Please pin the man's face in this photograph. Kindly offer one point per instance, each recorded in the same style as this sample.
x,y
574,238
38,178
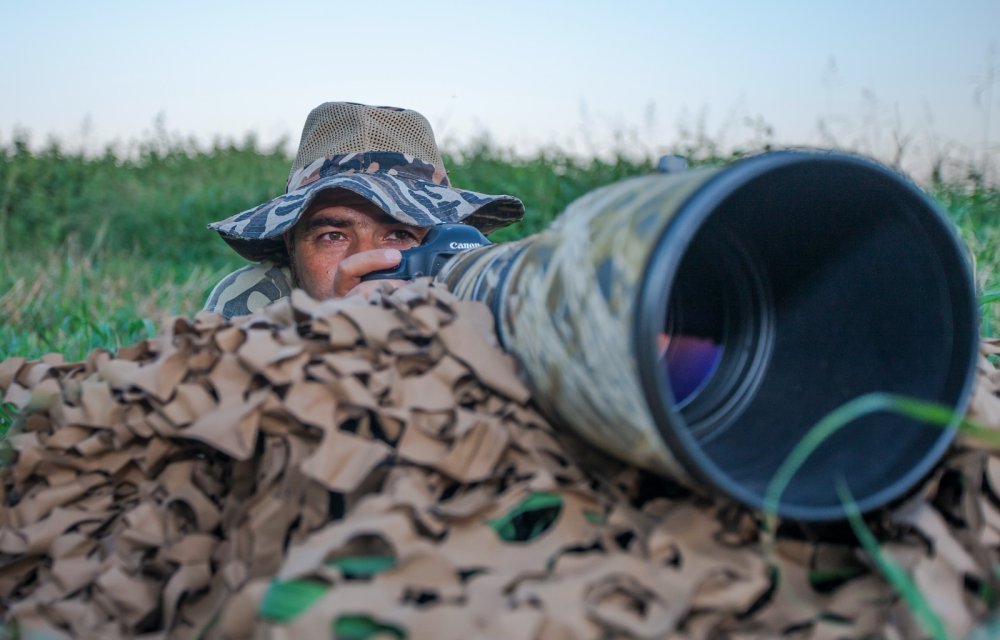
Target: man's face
x,y
342,237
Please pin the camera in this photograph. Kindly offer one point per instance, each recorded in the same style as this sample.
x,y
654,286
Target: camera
x,y
441,243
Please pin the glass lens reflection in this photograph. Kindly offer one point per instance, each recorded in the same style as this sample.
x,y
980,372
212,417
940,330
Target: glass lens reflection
x,y
690,361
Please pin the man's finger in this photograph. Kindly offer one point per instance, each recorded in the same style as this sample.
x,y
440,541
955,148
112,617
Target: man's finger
x,y
351,268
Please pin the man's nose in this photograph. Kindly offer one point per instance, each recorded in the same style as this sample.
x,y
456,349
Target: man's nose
x,y
367,242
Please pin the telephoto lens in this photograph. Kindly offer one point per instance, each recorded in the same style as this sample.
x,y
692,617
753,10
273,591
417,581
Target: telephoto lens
x,y
699,323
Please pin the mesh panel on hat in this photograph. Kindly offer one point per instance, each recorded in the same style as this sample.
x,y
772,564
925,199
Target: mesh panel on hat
x,y
344,127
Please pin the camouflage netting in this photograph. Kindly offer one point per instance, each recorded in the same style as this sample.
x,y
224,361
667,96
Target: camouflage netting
x,y
377,470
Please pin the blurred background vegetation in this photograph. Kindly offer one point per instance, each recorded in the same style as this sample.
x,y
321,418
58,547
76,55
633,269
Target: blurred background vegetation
x,y
96,250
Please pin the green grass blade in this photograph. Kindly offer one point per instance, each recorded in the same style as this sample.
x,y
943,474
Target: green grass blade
x,y
930,413
816,436
894,574
989,298
940,415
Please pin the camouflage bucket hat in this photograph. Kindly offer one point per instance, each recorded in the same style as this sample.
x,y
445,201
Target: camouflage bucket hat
x,y
384,154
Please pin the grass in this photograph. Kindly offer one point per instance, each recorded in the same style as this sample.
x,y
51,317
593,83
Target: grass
x,y
975,210
97,251
74,301
894,573
932,415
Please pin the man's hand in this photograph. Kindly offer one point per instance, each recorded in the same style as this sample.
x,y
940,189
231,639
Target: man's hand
x,y
347,279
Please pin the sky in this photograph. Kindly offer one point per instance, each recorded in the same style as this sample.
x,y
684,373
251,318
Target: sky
x,y
585,76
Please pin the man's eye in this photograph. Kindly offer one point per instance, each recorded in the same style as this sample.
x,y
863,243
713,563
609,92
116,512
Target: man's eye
x,y
403,235
332,236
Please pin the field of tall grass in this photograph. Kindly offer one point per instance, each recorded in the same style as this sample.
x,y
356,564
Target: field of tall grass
x,y
96,250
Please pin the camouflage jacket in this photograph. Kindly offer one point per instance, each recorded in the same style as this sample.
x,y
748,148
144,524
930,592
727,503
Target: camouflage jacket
x,y
249,289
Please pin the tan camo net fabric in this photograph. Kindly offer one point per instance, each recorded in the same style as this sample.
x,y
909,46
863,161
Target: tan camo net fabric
x,y
377,470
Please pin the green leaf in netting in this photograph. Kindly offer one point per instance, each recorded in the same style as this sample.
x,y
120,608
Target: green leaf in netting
x,y
828,579
362,566
893,572
7,414
7,456
987,594
361,627
285,600
529,519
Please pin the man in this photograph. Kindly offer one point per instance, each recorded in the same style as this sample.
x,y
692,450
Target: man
x,y
366,183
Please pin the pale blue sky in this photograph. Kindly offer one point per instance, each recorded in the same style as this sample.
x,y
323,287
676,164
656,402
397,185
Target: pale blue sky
x,y
529,72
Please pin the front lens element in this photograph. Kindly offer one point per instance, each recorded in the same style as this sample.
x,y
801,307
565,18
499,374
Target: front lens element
x,y
690,362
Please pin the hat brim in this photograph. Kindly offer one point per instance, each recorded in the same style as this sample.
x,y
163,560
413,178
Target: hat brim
x,y
256,234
